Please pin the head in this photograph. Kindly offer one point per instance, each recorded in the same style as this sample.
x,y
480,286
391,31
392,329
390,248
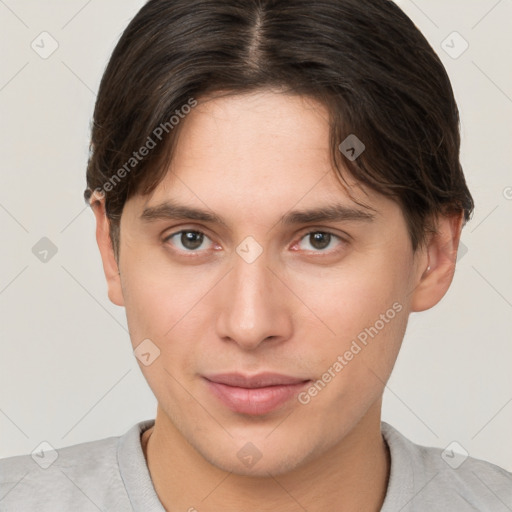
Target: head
x,y
276,187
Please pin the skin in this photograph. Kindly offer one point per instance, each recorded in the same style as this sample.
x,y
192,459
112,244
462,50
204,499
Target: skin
x,y
251,159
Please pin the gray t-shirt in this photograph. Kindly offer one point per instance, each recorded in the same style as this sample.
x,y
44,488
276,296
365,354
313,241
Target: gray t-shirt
x,y
111,475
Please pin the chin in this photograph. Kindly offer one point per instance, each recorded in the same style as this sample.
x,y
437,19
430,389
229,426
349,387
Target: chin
x,y
260,458
269,465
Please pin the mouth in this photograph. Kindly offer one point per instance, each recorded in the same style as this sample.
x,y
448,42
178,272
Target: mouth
x,y
254,394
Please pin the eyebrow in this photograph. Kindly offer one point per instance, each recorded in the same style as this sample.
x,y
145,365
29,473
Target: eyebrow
x,y
170,210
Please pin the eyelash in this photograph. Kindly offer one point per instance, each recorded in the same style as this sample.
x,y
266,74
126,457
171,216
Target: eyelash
x,y
309,233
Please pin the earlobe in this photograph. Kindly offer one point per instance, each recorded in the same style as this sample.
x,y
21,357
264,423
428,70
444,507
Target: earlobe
x,y
433,282
110,266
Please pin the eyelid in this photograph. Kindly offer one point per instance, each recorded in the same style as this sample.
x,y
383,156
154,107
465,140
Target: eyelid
x,y
170,232
343,236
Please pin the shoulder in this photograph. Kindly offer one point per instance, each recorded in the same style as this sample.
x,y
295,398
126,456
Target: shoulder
x,y
428,478
81,477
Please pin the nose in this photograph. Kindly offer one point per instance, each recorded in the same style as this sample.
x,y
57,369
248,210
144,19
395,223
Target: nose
x,y
255,305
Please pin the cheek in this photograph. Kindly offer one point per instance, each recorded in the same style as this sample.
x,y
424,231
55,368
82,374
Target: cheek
x,y
161,306
162,300
355,365
367,335
362,313
149,306
351,297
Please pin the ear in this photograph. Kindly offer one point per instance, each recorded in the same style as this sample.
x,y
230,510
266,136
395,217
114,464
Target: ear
x,y
441,252
110,266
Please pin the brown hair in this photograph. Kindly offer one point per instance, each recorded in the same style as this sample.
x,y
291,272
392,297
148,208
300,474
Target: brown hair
x,y
364,59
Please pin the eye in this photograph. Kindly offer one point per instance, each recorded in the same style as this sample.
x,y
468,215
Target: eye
x,y
188,240
319,241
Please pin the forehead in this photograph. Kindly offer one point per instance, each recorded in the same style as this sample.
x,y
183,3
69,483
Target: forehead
x,y
261,152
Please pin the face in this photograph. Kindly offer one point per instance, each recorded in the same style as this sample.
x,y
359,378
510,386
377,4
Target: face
x,y
273,327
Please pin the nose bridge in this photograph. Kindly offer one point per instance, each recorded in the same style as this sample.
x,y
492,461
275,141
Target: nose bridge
x,y
252,310
251,289
254,279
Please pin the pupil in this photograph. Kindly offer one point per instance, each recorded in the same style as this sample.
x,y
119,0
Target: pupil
x,y
191,239
320,240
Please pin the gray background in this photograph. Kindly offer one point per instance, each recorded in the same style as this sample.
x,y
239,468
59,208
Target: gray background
x,y
67,373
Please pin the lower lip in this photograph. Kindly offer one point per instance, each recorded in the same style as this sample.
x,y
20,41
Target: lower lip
x,y
255,400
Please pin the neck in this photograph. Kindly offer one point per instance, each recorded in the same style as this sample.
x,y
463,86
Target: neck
x,y
352,476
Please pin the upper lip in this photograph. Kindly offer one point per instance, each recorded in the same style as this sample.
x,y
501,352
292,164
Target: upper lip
x,y
259,380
